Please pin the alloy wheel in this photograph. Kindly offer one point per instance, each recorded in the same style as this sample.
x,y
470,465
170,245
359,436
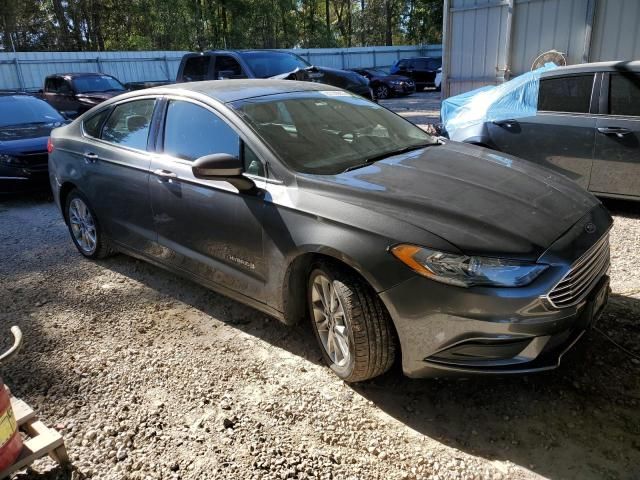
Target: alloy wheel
x,y
82,225
330,320
382,92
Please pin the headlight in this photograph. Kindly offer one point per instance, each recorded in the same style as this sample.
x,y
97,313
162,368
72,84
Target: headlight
x,y
10,160
396,82
465,271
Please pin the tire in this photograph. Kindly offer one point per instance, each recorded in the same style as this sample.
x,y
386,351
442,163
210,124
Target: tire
x,y
366,325
84,227
382,91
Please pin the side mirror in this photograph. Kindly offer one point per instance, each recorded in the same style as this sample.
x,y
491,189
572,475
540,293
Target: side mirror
x,y
222,166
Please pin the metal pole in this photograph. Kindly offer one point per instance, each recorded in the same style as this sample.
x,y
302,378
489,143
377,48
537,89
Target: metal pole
x,y
591,17
374,58
19,73
508,42
99,65
445,89
166,67
342,58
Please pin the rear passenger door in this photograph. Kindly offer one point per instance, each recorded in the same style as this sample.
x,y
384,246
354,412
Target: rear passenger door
x,y
616,162
116,160
562,134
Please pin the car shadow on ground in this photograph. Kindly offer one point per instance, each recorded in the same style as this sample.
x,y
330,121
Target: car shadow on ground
x,y
580,421
546,422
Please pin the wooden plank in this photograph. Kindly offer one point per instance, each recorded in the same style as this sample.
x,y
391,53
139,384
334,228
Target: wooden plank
x,y
44,440
21,411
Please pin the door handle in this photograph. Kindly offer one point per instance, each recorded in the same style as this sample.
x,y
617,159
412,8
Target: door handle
x,y
617,131
90,157
509,123
164,175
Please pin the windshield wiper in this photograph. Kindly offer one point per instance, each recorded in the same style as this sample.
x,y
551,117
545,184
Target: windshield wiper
x,y
382,156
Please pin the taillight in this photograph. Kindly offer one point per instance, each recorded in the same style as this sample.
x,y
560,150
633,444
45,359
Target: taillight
x,y
50,146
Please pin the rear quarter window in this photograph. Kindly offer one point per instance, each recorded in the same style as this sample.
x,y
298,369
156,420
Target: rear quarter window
x,y
624,94
93,125
570,94
196,68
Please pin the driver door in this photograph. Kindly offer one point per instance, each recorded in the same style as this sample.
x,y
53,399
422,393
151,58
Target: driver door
x,y
205,227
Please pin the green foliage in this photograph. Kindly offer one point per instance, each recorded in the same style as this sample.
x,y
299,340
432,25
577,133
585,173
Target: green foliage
x,y
70,25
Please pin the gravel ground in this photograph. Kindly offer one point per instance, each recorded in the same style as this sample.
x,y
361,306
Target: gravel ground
x,y
150,376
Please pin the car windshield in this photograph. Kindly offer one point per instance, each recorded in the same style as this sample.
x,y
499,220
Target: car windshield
x,y
329,132
25,110
270,64
97,83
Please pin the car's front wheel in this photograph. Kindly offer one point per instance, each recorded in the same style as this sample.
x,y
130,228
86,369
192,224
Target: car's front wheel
x,y
351,324
84,227
382,91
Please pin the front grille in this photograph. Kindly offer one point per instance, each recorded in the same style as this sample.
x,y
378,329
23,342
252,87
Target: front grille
x,y
577,282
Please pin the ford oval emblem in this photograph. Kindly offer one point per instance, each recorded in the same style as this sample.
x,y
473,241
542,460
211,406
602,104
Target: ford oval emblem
x,y
590,228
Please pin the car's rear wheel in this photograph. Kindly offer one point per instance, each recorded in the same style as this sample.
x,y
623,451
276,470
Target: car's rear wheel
x,y
84,227
351,324
382,91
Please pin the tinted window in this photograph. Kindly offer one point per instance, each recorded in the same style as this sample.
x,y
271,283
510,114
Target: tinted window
x,y
229,66
419,64
191,131
402,64
196,68
624,95
92,125
97,83
566,94
268,64
434,64
22,110
52,85
128,125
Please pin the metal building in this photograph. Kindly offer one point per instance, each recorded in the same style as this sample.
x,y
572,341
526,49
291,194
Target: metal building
x,y
486,42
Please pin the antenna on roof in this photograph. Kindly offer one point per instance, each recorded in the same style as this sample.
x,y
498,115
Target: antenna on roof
x,y
551,56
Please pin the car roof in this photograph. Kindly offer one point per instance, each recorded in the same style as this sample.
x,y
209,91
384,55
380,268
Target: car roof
x,y
227,52
595,67
232,90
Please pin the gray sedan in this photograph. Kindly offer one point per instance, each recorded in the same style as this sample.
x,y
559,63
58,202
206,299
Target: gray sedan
x,y
308,202
587,127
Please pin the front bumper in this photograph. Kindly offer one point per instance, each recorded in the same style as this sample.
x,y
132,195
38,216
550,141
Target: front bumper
x,y
23,179
447,330
403,89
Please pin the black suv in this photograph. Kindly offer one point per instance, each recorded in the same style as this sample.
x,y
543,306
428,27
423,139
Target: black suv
x,y
422,70
229,64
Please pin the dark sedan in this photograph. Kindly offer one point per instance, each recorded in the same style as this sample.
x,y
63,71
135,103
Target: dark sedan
x,y
306,201
25,126
384,85
423,70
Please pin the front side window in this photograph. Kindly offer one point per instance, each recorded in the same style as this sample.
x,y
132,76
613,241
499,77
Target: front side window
x,y
624,94
196,68
566,94
128,124
328,132
192,131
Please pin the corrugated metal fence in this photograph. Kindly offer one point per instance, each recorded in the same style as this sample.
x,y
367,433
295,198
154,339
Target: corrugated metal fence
x,y
487,41
27,70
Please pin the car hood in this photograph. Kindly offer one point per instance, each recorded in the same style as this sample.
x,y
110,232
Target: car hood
x,y
98,97
388,78
23,139
480,201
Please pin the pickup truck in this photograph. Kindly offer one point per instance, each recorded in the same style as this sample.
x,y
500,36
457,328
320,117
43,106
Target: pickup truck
x,y
72,94
229,64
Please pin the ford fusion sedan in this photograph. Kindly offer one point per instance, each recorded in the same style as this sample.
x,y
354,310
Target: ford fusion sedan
x,y
310,203
25,125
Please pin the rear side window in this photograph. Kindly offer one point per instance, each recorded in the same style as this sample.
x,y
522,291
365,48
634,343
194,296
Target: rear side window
x,y
624,95
192,131
52,84
128,124
566,94
196,68
419,64
228,67
93,125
